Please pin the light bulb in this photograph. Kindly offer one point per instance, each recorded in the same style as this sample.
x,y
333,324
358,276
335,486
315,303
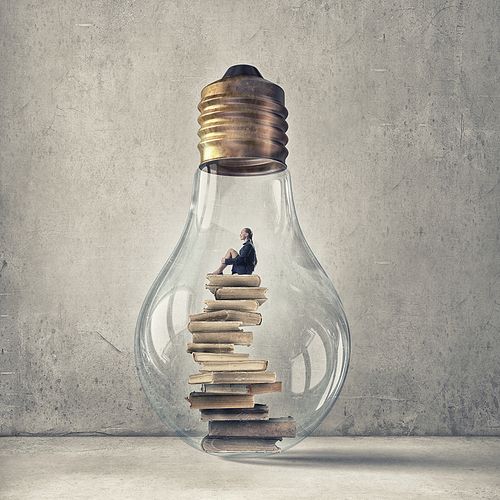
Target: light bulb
x,y
243,182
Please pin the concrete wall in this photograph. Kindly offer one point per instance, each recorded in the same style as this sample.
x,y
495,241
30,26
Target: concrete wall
x,y
394,154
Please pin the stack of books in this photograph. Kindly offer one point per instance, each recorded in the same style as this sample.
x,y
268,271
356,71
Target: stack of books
x,y
230,380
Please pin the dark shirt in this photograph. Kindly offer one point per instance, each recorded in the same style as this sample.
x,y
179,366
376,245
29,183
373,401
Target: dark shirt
x,y
244,263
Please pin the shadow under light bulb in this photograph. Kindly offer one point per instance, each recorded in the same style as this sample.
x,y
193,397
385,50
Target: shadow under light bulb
x,y
243,181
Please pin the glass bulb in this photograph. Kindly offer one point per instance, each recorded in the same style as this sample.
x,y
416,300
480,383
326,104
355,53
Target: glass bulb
x,y
304,332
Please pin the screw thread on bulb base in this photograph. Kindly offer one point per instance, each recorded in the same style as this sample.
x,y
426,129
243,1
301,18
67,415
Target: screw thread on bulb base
x,y
242,124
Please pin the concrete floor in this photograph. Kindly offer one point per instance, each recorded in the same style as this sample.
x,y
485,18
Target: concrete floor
x,y
166,468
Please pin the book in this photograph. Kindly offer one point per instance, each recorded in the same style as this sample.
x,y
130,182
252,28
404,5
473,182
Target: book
x,y
248,365
239,445
246,318
230,293
219,315
272,428
241,388
200,347
233,378
238,338
233,280
200,357
200,400
258,412
213,289
214,326
236,305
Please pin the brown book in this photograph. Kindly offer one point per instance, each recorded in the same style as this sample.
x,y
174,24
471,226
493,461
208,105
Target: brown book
x,y
233,378
214,326
238,338
220,315
230,293
233,280
202,401
258,412
235,305
213,289
246,318
241,388
249,365
201,357
272,428
195,347
239,445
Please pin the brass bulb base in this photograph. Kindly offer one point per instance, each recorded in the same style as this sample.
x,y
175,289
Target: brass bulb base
x,y
242,125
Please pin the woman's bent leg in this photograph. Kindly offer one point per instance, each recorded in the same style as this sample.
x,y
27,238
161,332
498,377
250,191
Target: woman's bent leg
x,y
230,254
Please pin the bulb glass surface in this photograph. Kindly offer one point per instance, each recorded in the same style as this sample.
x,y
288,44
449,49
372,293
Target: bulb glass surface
x,y
304,332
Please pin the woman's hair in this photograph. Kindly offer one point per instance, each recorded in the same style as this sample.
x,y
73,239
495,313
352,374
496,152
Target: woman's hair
x,y
249,232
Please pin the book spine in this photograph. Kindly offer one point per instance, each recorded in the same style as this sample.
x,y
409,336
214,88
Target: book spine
x,y
272,428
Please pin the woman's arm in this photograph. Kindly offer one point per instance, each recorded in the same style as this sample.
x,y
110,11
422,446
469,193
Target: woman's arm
x,y
245,255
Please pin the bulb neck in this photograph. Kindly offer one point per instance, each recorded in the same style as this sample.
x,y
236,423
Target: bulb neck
x,y
242,167
242,124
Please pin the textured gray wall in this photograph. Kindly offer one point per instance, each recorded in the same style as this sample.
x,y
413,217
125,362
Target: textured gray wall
x,y
394,155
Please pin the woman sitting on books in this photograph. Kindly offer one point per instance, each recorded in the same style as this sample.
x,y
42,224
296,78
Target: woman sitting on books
x,y
243,262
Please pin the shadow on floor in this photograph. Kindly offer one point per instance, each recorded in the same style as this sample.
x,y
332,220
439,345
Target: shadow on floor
x,y
383,459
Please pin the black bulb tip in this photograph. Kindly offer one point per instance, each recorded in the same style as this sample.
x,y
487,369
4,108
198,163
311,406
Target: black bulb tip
x,y
242,69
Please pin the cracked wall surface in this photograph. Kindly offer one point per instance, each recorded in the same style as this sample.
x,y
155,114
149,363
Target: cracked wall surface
x,y
394,155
